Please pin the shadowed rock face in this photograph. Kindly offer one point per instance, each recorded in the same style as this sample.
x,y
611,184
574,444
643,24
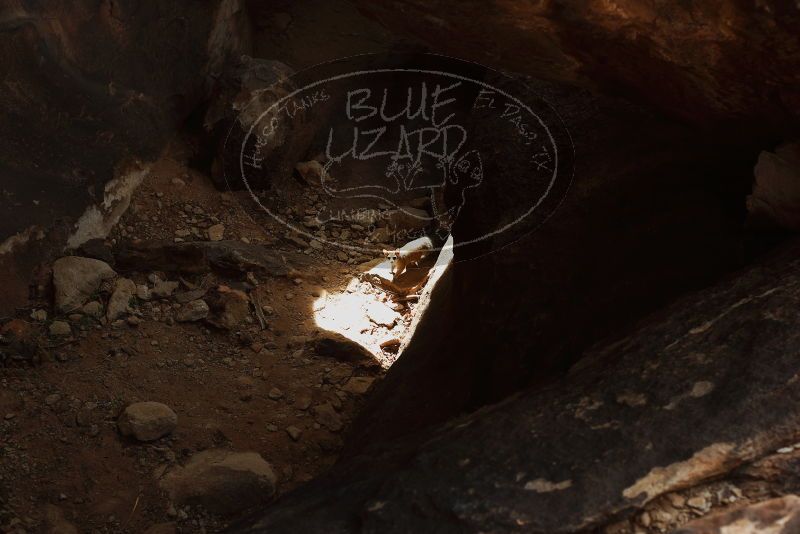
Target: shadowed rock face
x,y
93,89
646,218
698,390
248,89
688,58
642,221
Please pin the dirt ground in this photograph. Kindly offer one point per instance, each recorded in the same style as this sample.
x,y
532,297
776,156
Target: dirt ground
x,y
238,389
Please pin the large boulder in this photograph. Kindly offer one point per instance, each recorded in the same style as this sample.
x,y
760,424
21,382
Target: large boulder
x,y
696,392
75,279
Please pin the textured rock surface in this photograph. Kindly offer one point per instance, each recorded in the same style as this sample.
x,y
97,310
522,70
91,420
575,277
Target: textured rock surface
x,y
192,311
216,232
519,316
119,303
776,192
222,481
690,59
147,421
228,257
325,415
249,88
164,288
60,328
228,307
76,278
570,456
778,516
336,346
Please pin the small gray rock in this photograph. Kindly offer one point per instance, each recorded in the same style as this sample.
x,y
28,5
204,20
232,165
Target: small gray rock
x,y
60,328
294,432
216,232
358,385
143,292
119,303
92,309
147,421
193,311
164,289
325,415
189,296
303,399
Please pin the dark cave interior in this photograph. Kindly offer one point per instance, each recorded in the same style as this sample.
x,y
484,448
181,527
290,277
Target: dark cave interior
x,y
199,200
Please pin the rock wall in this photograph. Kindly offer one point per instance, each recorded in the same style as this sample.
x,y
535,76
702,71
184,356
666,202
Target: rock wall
x,y
655,206
730,66
93,92
643,221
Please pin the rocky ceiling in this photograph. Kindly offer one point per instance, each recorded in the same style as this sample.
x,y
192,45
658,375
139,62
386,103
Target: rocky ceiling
x,y
721,63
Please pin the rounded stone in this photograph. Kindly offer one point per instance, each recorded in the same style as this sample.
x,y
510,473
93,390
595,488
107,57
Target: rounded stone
x,y
76,278
60,328
147,421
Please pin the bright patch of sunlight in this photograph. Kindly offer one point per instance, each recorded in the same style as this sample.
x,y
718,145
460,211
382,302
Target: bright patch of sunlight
x,y
371,316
